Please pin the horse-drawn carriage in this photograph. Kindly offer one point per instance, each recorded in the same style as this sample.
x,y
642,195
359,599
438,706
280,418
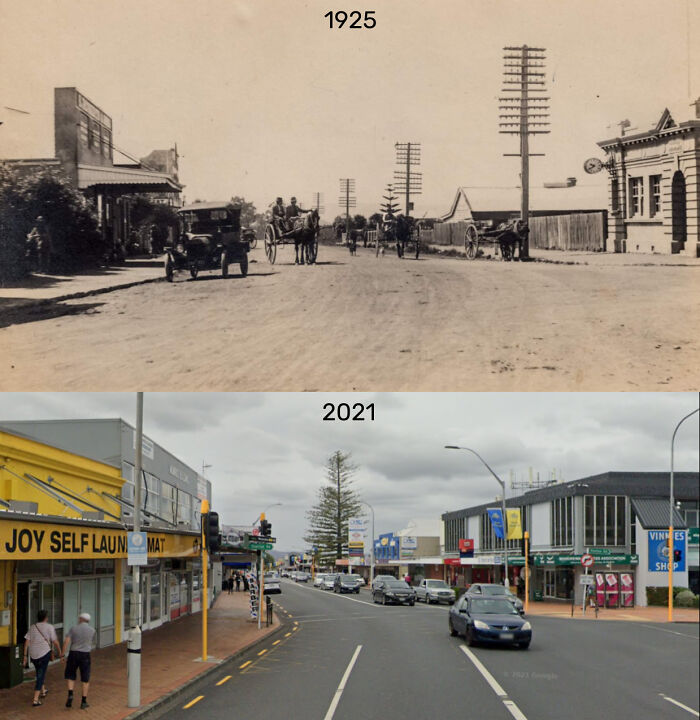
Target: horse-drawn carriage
x,y
304,235
209,239
504,239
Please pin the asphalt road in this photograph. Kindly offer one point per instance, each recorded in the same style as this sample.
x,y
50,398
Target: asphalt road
x,y
343,657
371,324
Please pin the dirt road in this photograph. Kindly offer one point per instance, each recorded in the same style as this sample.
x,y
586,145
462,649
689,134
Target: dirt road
x,y
367,323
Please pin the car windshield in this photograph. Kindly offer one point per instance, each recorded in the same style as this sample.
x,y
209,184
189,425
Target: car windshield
x,y
441,584
483,606
494,590
271,577
352,577
394,583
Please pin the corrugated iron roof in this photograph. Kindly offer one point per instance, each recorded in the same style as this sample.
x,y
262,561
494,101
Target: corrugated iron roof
x,y
653,514
89,175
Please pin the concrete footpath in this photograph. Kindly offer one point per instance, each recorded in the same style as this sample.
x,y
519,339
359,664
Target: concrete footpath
x,y
638,614
170,660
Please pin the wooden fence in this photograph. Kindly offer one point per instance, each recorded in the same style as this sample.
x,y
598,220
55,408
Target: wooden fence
x,y
578,231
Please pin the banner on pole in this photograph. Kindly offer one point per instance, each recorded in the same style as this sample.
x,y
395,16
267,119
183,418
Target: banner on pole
x,y
514,525
496,518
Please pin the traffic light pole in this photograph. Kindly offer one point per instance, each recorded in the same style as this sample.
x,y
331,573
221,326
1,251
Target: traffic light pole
x,y
205,577
261,588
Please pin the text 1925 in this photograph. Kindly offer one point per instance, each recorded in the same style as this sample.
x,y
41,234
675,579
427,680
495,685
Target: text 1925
x,y
343,412
338,18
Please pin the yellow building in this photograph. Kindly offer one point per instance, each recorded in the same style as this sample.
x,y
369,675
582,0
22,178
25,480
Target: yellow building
x,y
63,548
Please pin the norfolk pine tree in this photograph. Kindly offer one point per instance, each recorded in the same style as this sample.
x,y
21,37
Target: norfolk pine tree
x,y
337,503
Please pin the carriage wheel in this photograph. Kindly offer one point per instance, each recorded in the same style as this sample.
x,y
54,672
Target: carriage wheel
x,y
471,241
270,245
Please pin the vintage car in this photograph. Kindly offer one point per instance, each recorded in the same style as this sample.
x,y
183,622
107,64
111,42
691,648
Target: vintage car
x,y
210,238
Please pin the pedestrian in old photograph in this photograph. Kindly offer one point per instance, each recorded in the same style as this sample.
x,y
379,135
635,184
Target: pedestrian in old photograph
x,y
80,639
39,246
38,643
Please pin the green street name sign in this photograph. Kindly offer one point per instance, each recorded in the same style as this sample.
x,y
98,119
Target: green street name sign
x,y
612,558
259,546
694,536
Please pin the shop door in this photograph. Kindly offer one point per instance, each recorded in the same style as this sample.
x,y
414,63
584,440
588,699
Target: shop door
x,y
550,584
22,611
600,589
88,599
106,614
70,604
184,596
154,600
174,595
626,590
612,590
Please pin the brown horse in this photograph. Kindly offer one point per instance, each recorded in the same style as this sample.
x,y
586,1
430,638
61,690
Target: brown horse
x,y
306,237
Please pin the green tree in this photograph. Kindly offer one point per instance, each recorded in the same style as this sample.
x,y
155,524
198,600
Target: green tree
x,y
375,219
337,503
248,213
359,221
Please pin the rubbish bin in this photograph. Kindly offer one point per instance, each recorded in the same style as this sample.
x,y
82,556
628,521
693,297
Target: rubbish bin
x,y
538,595
11,671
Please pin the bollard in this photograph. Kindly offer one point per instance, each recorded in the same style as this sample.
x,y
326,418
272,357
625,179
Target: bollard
x,y
133,667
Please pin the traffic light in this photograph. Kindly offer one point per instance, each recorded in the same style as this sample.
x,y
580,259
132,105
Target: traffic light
x,y
212,535
265,528
677,556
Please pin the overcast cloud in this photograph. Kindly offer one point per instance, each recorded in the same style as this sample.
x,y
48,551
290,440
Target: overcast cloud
x,y
272,448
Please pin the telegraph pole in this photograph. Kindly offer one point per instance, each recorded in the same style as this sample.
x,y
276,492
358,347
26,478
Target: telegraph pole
x,y
523,114
407,181
347,198
133,662
318,202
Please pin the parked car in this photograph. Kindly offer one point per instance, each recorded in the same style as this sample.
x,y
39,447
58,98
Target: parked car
x,y
272,584
489,620
319,579
380,578
302,576
435,591
393,591
493,590
346,582
328,582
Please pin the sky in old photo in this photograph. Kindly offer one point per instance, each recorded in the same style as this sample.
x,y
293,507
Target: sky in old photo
x,y
269,448
264,99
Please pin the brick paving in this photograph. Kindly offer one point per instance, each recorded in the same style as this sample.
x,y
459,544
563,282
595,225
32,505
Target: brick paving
x,y
169,659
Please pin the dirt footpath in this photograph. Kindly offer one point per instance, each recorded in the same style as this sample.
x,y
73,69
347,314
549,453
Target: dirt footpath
x,y
368,323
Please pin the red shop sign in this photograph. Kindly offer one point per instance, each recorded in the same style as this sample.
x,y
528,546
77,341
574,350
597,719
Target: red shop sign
x,y
466,545
452,561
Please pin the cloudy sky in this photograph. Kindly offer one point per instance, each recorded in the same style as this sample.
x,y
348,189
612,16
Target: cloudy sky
x,y
264,99
267,448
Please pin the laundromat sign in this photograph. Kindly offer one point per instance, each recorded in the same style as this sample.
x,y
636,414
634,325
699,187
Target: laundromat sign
x,y
44,541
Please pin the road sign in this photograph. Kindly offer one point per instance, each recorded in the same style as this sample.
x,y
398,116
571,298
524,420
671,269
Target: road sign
x,y
264,538
137,548
259,546
587,580
587,560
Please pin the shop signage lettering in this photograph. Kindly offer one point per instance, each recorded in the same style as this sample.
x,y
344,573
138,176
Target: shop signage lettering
x,y
45,541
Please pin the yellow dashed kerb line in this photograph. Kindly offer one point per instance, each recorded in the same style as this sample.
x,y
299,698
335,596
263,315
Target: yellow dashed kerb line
x,y
223,680
245,664
192,702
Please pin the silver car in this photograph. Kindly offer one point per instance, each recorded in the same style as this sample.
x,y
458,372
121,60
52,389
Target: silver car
x,y
328,582
434,591
493,590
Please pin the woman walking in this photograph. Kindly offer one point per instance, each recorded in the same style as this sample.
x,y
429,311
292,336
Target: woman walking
x,y
37,646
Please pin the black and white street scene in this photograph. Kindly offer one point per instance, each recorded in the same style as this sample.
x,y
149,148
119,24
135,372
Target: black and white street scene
x,y
426,195
303,556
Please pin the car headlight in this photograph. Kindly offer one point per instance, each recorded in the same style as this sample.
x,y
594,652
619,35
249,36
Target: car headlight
x,y
526,626
389,594
480,625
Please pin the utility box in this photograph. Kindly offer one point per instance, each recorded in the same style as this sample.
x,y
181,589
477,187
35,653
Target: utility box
x,y
11,670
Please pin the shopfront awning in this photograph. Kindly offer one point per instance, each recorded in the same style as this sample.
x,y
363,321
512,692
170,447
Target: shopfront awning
x,y
126,180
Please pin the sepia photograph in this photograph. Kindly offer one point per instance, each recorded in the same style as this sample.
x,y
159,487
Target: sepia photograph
x,y
262,196
343,556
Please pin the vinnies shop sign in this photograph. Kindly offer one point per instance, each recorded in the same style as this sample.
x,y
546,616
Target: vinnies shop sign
x,y
35,541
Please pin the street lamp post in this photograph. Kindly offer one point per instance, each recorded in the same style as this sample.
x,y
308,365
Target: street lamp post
x,y
503,504
670,522
371,567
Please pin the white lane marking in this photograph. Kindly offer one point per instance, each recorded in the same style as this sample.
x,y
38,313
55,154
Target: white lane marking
x,y
672,632
512,708
680,705
341,687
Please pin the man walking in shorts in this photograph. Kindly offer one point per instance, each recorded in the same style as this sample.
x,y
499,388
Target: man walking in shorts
x,y
80,638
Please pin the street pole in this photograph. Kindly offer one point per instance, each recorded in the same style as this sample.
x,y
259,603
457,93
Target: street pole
x,y
261,585
670,522
527,573
133,662
503,503
371,567
205,566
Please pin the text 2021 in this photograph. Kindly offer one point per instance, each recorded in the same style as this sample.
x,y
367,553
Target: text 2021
x,y
343,412
338,18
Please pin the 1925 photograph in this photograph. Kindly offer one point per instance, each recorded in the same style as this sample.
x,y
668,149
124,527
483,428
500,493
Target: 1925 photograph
x,y
434,196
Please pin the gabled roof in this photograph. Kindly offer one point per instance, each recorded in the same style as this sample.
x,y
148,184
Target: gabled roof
x,y
653,514
461,195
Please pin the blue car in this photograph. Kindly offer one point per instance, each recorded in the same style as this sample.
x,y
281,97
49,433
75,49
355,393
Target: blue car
x,y
489,620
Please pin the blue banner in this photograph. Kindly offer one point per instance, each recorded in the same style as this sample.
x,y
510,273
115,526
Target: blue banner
x,y
658,550
496,517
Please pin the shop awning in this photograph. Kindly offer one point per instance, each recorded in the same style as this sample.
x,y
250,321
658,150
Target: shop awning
x,y
653,514
126,179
